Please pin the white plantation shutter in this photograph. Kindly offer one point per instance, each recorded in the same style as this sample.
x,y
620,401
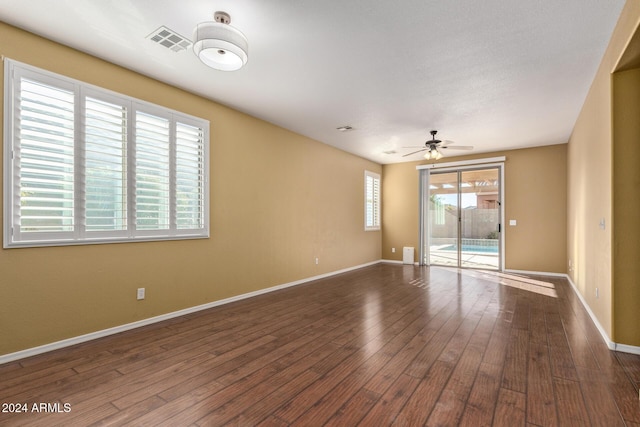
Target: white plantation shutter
x,y
190,176
84,165
105,165
152,154
372,201
45,159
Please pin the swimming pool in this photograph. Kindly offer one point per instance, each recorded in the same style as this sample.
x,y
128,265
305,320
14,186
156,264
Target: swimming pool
x,y
472,248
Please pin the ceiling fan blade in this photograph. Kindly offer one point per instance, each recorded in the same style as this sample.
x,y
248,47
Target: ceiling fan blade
x,y
408,154
458,147
414,146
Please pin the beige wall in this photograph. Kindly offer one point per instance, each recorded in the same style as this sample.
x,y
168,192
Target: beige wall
x,y
535,196
400,199
278,200
590,200
626,206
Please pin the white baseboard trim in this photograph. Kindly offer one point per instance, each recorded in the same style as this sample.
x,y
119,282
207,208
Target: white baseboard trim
x,y
627,348
10,357
624,348
605,336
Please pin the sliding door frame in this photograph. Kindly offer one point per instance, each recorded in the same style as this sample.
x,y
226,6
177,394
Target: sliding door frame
x,y
423,185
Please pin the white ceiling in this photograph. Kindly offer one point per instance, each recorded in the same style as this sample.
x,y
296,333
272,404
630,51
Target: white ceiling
x,y
495,74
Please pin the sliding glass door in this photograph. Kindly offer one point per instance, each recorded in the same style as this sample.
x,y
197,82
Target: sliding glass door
x,y
464,218
444,214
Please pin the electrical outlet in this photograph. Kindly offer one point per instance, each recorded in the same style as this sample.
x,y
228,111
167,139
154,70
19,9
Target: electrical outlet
x,y
393,250
317,261
140,294
597,293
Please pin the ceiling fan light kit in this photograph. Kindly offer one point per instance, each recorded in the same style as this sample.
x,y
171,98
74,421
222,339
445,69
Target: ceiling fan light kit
x,y
219,45
433,154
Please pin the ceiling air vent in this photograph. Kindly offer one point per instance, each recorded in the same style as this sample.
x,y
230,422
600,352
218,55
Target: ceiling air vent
x,y
169,39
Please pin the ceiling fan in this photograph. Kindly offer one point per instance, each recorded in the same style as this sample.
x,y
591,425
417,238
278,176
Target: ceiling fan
x,y
433,146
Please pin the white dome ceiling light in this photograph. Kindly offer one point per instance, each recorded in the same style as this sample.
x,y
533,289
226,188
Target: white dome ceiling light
x,y
219,45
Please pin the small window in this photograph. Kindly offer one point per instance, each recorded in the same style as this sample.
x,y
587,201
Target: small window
x,y
371,201
85,165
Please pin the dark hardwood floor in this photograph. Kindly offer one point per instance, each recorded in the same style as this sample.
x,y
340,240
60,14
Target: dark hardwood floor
x,y
387,344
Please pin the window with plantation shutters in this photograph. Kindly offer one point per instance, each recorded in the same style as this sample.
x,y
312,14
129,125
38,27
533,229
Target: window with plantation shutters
x,y
84,165
371,201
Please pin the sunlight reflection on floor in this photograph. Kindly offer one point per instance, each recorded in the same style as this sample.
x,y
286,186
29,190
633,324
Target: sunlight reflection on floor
x,y
372,321
511,280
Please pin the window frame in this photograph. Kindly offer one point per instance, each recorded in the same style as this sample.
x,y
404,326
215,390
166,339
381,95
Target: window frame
x,y
374,200
13,237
